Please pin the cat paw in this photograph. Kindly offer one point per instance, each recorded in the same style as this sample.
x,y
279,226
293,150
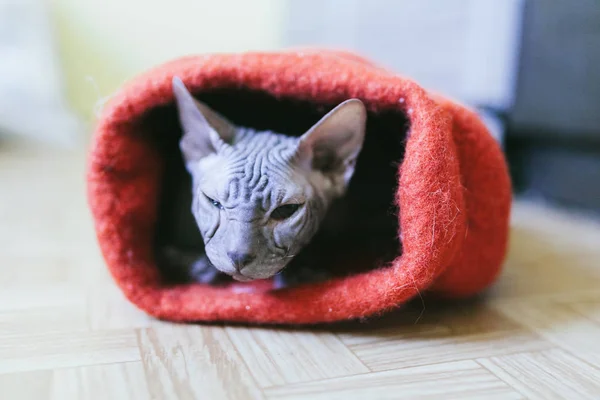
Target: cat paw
x,y
202,271
189,266
279,282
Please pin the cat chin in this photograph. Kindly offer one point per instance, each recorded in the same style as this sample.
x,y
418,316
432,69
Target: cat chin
x,y
242,278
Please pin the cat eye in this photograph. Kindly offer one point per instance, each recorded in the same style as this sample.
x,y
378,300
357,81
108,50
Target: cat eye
x,y
284,212
214,202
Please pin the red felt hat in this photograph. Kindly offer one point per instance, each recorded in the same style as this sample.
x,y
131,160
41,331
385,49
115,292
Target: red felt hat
x,y
453,193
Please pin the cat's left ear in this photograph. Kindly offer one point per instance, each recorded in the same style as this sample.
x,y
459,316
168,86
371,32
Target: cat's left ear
x,y
333,144
204,130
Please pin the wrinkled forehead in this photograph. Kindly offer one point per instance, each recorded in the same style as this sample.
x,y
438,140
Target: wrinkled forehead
x,y
254,182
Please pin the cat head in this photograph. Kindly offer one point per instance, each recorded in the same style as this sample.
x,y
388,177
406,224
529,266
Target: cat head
x,y
259,196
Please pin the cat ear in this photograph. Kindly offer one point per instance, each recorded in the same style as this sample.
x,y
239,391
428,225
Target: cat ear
x,y
333,144
204,130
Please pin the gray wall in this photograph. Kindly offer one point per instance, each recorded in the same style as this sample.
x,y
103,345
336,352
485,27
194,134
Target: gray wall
x,y
559,78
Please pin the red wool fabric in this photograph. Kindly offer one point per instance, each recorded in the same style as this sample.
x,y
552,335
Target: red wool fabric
x,y
454,192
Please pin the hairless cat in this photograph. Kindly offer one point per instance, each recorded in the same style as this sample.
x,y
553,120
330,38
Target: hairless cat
x,y
259,197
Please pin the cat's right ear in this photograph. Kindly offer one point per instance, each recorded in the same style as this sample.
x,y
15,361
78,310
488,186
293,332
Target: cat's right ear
x,y
205,132
332,145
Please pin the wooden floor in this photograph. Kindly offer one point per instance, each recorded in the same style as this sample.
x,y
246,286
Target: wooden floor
x,y
66,332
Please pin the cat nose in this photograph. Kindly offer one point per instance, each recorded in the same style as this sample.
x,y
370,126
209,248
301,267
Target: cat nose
x,y
240,259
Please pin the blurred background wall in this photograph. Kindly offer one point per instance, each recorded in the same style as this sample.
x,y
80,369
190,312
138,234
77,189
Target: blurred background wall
x,y
104,42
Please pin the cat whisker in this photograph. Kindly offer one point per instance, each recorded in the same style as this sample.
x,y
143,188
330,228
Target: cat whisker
x,y
286,253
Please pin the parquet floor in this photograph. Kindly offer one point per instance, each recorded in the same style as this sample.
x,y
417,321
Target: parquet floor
x,y
67,333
